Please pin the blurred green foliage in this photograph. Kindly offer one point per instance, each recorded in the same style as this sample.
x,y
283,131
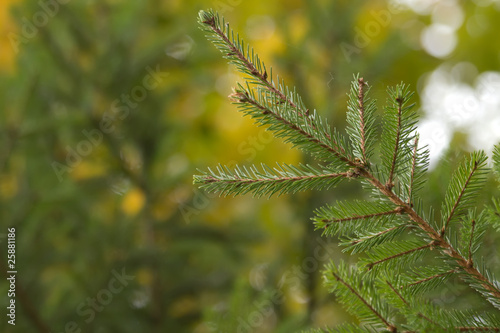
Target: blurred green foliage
x,y
107,109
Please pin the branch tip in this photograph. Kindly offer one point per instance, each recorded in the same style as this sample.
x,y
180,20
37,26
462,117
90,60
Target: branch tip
x,y
207,18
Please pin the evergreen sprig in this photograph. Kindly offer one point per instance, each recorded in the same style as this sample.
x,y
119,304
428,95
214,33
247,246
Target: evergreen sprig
x,y
418,169
310,133
398,132
421,315
351,217
361,119
356,292
365,240
496,161
396,254
282,179
273,103
391,232
465,184
423,279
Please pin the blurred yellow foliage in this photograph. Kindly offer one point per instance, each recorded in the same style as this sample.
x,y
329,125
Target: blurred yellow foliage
x,y
8,186
87,169
164,209
299,26
133,201
105,208
7,56
183,306
144,277
371,27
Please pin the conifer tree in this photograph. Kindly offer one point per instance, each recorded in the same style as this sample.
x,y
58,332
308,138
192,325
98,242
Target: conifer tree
x,y
393,230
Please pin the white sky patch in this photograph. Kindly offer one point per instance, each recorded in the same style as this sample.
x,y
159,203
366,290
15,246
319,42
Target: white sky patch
x,y
448,13
439,39
451,105
260,27
422,7
436,136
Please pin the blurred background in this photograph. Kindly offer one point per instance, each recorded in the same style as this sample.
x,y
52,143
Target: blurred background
x,y
109,107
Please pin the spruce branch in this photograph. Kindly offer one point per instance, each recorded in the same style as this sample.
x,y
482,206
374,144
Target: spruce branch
x,y
397,255
345,285
496,161
397,293
390,327
419,314
429,278
361,109
414,307
477,279
399,127
421,280
369,240
493,212
473,228
311,134
364,226
348,218
378,234
270,94
283,179
490,291
397,144
247,62
361,217
361,119
234,50
466,183
484,281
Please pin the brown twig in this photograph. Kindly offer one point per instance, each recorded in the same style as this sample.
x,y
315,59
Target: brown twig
x,y
430,278
390,183
211,179
408,305
361,217
377,234
361,110
457,202
370,265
